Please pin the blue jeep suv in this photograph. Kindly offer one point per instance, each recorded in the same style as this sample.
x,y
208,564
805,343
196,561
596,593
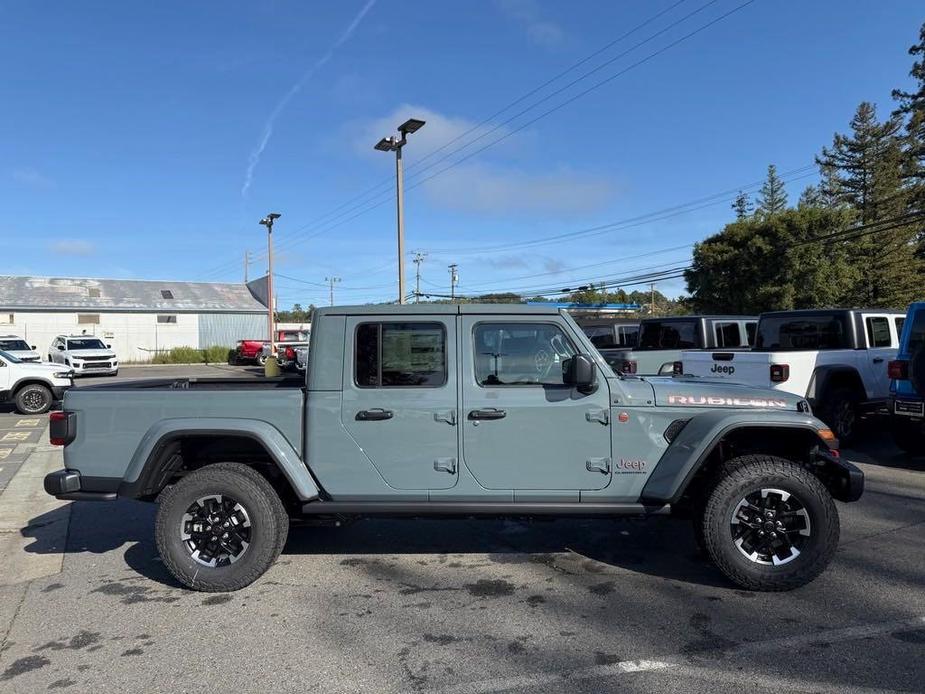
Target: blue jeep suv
x,y
907,386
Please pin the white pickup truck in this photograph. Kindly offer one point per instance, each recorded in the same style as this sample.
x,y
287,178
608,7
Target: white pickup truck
x,y
835,358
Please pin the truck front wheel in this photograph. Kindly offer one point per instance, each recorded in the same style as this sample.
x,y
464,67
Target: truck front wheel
x,y
220,528
33,399
769,524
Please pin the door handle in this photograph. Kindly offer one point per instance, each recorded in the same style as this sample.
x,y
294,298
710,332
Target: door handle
x,y
878,360
489,413
374,415
598,465
448,416
445,465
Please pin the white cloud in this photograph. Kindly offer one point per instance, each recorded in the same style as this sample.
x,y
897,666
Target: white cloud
x,y
32,178
76,247
554,265
483,188
528,14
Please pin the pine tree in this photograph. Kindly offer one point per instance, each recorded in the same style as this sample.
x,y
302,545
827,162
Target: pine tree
x,y
742,205
865,170
911,108
773,197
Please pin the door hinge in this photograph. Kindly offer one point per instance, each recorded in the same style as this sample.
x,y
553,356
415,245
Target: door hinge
x,y
598,465
602,416
448,416
445,465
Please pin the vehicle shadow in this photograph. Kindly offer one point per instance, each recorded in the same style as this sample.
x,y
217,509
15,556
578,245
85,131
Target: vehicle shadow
x,y
876,447
661,547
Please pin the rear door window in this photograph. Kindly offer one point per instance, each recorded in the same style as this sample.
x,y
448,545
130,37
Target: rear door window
x,y
878,331
390,355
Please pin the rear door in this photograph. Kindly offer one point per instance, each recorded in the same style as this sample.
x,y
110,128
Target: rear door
x,y
399,403
522,428
882,346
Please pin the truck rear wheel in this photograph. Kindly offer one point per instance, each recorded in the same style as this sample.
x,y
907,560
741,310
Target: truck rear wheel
x,y
33,399
220,527
840,412
769,524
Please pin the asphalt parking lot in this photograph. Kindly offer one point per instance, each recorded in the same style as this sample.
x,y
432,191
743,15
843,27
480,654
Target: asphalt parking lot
x,y
453,606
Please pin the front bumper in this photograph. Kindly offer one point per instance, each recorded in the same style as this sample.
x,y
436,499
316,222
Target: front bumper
x,y
67,485
844,480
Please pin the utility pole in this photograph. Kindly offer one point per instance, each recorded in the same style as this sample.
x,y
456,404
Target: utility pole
x,y
652,300
331,282
454,280
394,144
247,262
418,259
268,223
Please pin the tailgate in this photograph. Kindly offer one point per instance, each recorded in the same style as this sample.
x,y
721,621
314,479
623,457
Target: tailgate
x,y
751,368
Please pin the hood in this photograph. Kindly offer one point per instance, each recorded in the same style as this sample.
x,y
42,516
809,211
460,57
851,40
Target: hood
x,y
25,354
44,367
699,392
81,353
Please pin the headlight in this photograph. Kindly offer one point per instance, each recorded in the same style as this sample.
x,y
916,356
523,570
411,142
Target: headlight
x,y
64,374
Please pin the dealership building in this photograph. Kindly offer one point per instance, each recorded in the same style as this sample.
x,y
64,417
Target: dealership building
x,y
137,317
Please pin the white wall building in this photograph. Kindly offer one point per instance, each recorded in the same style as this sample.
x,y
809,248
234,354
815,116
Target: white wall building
x,y
137,317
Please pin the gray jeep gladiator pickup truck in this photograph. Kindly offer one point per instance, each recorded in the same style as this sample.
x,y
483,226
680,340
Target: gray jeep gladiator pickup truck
x,y
453,410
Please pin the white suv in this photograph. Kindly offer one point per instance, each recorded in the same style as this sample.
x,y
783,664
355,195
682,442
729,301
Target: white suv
x,y
19,348
85,354
33,388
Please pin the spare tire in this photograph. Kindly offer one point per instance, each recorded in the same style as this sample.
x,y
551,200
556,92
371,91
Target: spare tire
x,y
917,371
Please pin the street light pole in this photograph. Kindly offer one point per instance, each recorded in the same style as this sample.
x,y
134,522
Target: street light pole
x,y
268,223
394,144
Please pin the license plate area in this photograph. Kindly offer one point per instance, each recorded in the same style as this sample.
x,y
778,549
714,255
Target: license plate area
x,y
909,408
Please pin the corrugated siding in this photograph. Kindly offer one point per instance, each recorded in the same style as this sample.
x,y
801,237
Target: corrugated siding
x,y
225,329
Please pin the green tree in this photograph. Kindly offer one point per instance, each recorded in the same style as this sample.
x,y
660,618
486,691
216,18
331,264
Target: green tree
x,y
742,205
866,176
772,199
911,108
768,263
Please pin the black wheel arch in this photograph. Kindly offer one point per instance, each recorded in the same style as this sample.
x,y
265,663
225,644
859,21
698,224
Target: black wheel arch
x,y
827,378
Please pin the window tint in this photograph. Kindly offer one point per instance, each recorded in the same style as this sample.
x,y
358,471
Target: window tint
x,y
13,345
601,336
750,330
878,332
627,335
516,354
85,343
400,354
728,335
788,333
899,327
668,335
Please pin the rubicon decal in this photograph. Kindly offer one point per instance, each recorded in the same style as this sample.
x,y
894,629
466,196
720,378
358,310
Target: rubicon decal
x,y
719,401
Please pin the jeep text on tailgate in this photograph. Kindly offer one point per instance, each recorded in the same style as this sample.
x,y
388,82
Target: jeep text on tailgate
x,y
456,411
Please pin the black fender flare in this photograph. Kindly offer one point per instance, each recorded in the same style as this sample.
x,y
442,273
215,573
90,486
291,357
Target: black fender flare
x,y
823,376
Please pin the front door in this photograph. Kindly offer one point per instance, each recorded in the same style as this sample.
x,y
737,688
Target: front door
x,y
399,401
522,427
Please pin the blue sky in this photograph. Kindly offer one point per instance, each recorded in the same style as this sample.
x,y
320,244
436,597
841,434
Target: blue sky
x,y
147,139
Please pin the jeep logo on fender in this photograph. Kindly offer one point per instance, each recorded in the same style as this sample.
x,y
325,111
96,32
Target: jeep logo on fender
x,y
723,369
719,401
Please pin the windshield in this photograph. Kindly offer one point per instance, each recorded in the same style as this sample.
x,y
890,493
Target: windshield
x,y
10,358
8,345
668,335
795,333
85,343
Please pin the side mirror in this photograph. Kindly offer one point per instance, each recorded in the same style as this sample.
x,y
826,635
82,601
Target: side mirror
x,y
31,346
580,372
108,346
60,348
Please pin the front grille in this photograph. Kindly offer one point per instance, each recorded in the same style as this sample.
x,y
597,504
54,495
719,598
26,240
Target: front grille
x,y
97,365
30,359
93,358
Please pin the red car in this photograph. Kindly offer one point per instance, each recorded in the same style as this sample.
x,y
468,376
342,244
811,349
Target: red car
x,y
250,351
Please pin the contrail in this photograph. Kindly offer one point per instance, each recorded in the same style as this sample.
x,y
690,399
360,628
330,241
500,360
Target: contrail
x,y
254,157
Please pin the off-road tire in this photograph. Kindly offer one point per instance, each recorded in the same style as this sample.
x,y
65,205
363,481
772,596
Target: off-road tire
x,y
261,359
751,473
33,399
839,411
910,436
268,517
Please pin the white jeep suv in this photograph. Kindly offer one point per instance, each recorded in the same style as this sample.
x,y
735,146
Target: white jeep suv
x,y
85,354
19,348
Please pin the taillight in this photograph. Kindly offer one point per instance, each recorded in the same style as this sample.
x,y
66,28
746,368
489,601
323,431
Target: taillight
x,y
62,428
677,369
898,369
290,353
780,373
628,366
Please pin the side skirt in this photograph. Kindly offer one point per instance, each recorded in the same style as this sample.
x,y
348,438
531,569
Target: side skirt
x,y
442,508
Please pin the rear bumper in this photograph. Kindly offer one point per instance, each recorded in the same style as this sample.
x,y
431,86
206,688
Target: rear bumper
x,y
68,485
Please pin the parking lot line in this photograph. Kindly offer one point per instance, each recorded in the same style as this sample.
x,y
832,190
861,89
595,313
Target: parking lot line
x,y
679,663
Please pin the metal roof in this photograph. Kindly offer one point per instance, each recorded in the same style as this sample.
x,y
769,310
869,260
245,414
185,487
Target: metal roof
x,y
77,294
